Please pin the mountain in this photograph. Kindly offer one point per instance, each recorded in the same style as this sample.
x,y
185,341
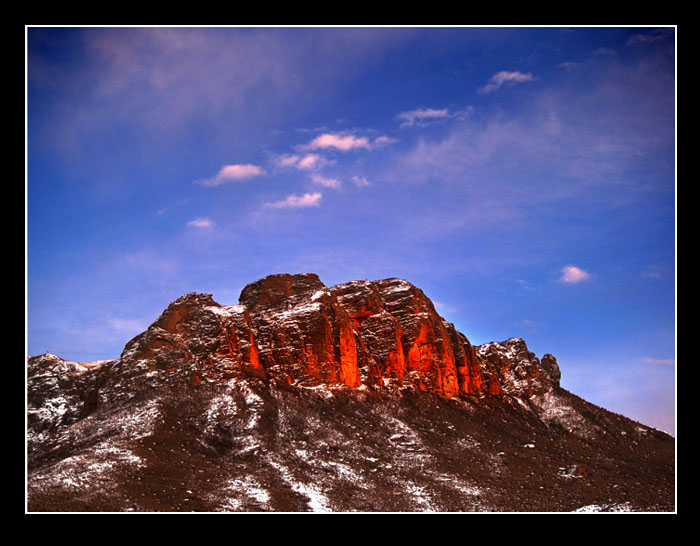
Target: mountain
x,y
354,398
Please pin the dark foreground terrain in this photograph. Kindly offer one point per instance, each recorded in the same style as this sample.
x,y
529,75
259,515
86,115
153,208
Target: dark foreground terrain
x,y
247,446
197,415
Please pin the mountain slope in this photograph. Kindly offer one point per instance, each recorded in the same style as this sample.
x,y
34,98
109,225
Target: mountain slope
x,y
358,397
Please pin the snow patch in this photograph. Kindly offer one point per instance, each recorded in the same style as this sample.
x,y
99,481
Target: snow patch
x,y
455,483
226,406
624,507
317,501
244,491
396,287
81,471
298,310
420,496
319,294
552,408
226,310
142,421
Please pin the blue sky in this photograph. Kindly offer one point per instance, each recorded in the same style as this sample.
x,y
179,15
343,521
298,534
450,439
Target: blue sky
x,y
524,178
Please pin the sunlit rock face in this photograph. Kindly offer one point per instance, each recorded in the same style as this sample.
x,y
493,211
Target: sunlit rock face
x,y
302,332
409,342
383,333
195,338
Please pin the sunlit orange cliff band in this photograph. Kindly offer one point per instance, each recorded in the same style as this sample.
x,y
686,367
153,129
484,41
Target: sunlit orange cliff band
x,y
373,334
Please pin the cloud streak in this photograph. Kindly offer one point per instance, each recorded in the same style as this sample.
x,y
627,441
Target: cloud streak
x,y
340,142
346,142
297,201
653,36
360,181
201,223
412,117
304,162
505,77
659,361
326,182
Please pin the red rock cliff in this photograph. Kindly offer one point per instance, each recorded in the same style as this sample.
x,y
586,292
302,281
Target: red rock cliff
x,y
293,328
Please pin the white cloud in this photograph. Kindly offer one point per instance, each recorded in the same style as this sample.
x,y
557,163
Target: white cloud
x,y
412,117
201,223
346,142
306,162
297,201
287,160
229,173
339,142
360,181
312,161
383,141
325,181
571,274
505,77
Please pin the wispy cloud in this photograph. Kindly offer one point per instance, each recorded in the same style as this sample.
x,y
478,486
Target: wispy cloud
x,y
571,274
531,325
360,181
412,117
445,308
325,181
303,162
558,131
383,140
659,361
568,65
128,326
655,271
297,201
201,223
653,36
525,285
424,116
604,51
346,142
505,77
287,160
232,173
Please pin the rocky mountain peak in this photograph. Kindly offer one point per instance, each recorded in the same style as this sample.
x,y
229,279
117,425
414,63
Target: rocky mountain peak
x,y
275,289
307,397
384,333
520,369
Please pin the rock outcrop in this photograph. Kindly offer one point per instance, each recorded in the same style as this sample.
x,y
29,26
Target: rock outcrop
x,y
293,328
519,371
